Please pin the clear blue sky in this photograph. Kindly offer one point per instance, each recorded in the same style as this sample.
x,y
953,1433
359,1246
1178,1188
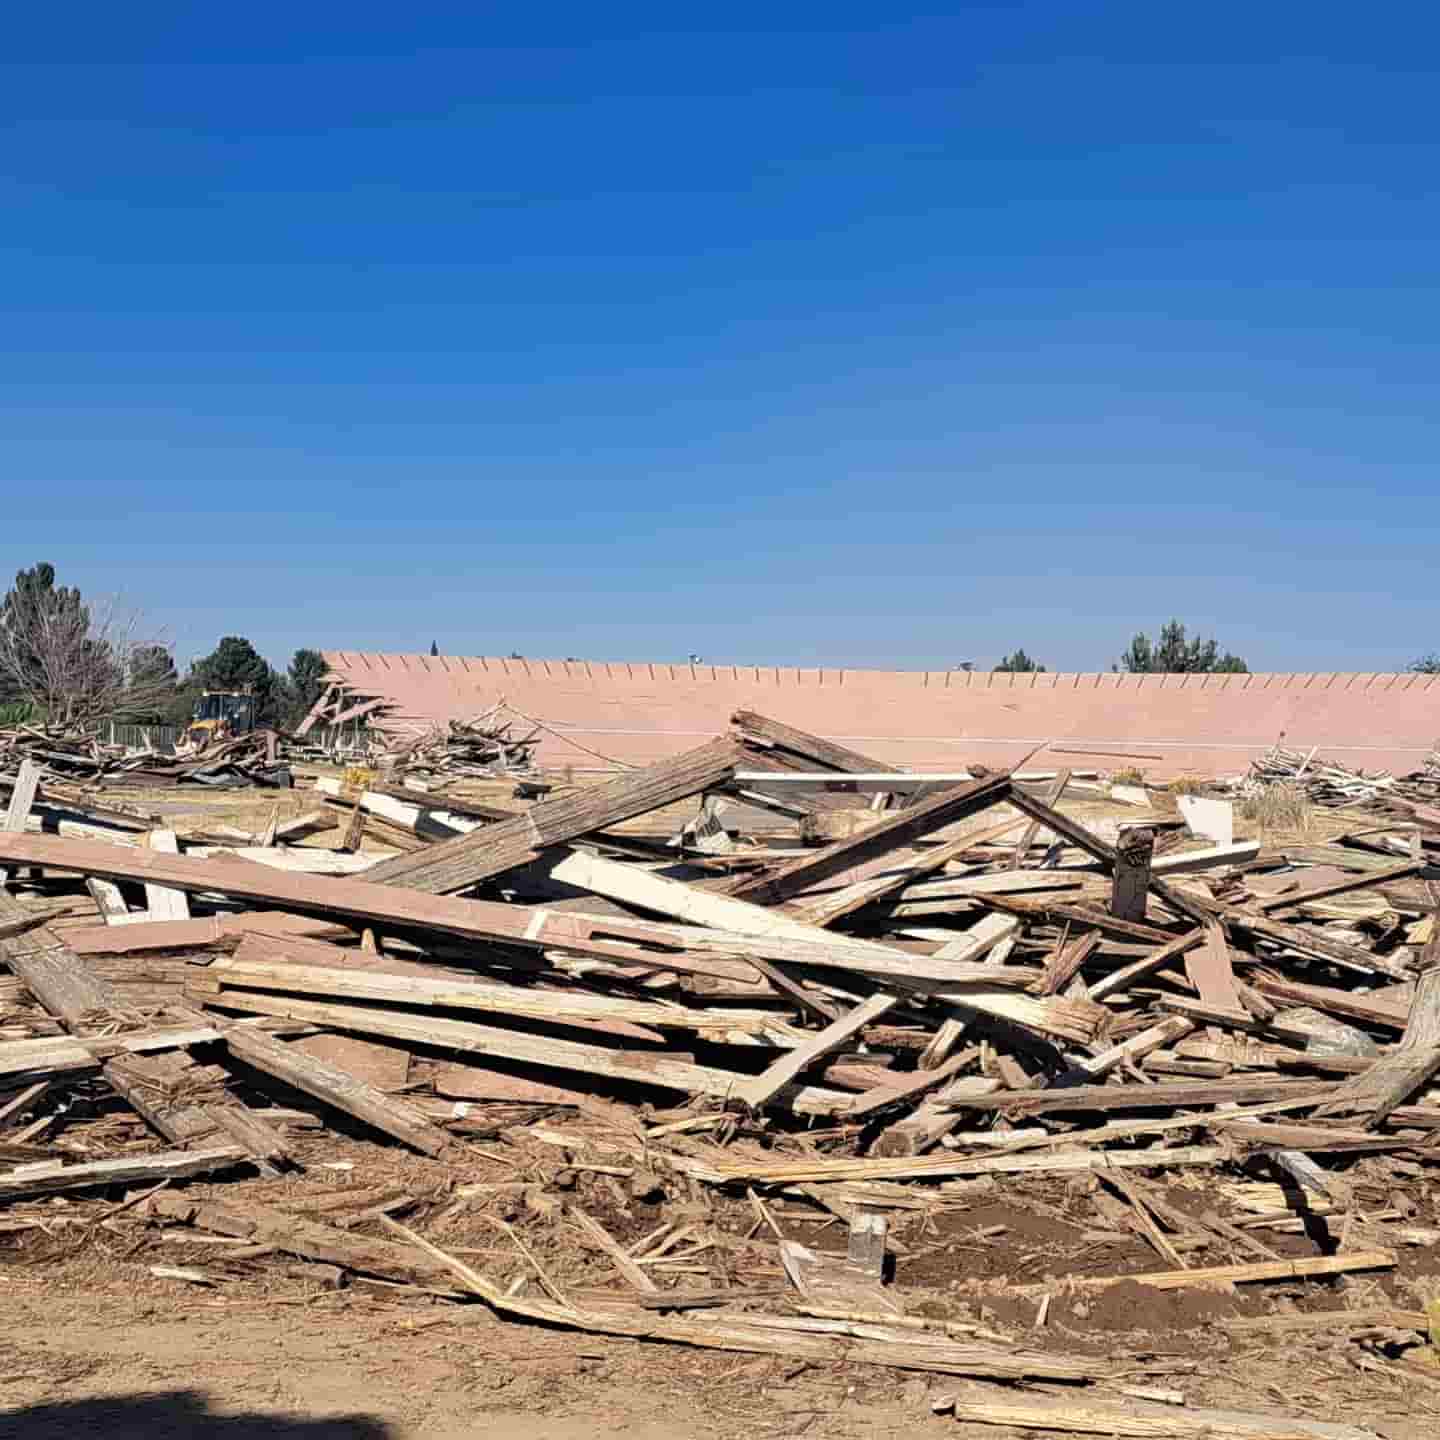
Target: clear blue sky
x,y
821,334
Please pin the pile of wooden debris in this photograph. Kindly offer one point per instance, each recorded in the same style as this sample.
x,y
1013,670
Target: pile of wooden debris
x,y
963,987
344,722
1330,784
244,760
485,746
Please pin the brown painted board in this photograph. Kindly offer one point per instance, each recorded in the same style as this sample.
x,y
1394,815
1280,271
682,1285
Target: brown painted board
x,y
195,934
387,1067
1211,973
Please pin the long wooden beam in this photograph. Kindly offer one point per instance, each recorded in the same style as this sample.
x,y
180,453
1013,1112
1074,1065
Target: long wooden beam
x,y
246,971
547,1052
760,1089
168,1165
605,936
211,930
775,734
900,829
347,1092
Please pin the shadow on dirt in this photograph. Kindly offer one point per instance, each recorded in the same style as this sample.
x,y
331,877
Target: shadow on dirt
x,y
173,1415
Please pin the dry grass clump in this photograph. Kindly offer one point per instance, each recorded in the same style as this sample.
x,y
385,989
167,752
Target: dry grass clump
x,y
1279,806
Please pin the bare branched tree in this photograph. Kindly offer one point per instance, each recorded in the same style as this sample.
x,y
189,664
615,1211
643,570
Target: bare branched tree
x,y
79,664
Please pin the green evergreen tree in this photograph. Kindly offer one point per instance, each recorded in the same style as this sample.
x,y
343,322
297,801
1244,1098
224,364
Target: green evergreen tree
x,y
1173,654
303,684
1019,664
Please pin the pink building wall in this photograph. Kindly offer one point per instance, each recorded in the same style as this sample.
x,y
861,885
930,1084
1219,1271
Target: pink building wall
x,y
1200,724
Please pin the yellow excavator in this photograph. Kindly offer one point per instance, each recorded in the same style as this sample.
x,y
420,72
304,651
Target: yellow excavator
x,y
221,715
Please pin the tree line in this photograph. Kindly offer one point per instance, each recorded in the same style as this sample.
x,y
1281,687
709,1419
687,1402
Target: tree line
x,y
1174,652
69,662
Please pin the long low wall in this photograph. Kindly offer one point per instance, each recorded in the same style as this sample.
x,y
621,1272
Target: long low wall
x,y
1198,724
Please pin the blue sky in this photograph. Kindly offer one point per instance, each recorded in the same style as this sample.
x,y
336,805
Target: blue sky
x,y
820,334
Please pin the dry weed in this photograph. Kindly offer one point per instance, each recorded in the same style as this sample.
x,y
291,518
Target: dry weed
x,y
1188,785
1279,806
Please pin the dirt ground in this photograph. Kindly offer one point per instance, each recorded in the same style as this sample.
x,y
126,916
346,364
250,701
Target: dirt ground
x,y
94,1342
355,1366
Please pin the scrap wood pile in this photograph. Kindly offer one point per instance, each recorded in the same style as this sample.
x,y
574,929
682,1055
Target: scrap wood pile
x,y
1331,785
497,741
251,759
636,1088
487,745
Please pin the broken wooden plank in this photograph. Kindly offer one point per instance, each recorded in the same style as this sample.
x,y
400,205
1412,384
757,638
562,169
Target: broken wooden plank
x,y
1190,862
22,797
548,1052
892,833
245,972
309,1239
1341,887
760,1089
1032,827
889,875
58,1054
598,935
108,899
51,1177
1066,962
1367,1009
761,1170
1308,941
675,898
308,860
64,986
1379,1091
1338,1320
412,818
161,901
597,1233
1079,836
201,934
52,972
1136,1046
1211,972
1301,1269
336,1087
459,863
908,1087
1083,1416
1238,1090
18,1103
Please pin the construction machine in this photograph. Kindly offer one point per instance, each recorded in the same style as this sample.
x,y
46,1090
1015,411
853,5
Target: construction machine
x,y
221,715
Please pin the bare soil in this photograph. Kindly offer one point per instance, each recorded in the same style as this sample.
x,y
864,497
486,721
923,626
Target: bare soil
x,y
94,1340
